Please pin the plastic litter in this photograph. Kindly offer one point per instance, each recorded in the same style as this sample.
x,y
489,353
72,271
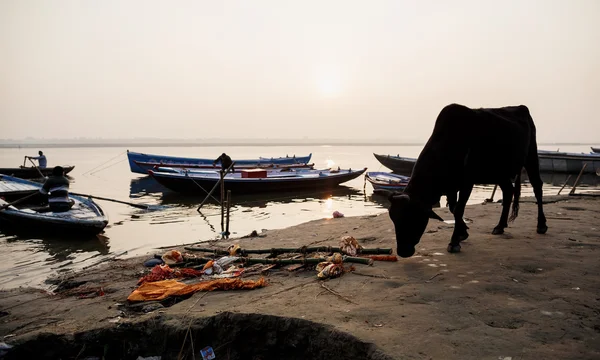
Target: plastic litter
x,y
172,257
337,214
207,353
153,262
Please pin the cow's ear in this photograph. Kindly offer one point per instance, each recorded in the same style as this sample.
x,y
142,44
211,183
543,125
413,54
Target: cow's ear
x,y
433,215
399,198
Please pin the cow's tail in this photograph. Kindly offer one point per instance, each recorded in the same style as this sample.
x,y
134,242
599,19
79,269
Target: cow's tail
x,y
517,195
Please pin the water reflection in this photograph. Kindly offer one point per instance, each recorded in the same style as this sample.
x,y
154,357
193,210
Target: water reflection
x,y
60,248
147,186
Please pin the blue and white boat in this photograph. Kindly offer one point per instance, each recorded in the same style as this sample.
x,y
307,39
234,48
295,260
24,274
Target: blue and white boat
x,y
568,162
384,182
140,163
85,217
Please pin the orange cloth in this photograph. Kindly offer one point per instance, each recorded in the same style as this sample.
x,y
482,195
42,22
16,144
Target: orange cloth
x,y
160,290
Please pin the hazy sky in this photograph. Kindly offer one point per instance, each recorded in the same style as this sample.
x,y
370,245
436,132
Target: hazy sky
x,y
293,69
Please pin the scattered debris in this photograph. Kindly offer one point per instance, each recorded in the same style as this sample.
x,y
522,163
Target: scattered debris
x,y
207,353
349,245
172,257
337,214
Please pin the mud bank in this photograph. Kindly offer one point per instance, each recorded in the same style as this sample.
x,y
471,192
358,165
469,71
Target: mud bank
x,y
519,295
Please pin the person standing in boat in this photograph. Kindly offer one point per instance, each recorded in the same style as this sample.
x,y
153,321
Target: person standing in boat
x,y
41,159
57,189
225,162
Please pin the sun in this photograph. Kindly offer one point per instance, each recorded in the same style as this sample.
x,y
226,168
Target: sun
x,y
329,84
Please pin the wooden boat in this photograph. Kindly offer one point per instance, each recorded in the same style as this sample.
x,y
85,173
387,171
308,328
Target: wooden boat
x,y
85,217
595,149
155,165
248,181
13,188
398,164
384,182
24,172
137,161
568,162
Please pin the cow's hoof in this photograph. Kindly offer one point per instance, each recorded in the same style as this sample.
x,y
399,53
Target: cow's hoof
x,y
453,248
498,231
460,237
542,229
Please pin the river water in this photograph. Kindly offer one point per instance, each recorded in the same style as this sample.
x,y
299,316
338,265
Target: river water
x,y
104,171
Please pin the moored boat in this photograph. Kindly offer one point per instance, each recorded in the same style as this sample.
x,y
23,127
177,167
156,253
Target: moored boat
x,y
385,183
249,181
140,163
24,172
596,149
398,164
568,162
15,188
85,217
155,165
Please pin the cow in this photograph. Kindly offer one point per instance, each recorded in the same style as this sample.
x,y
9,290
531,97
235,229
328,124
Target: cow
x,y
467,147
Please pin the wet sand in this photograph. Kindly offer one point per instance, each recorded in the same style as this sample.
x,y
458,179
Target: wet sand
x,y
519,295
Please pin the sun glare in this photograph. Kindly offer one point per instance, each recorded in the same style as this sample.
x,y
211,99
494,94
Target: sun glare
x,y
329,163
329,83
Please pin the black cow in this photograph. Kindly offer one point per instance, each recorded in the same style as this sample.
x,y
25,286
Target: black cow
x,y
467,147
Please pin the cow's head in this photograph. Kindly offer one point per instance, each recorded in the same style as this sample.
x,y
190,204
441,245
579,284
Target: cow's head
x,y
410,219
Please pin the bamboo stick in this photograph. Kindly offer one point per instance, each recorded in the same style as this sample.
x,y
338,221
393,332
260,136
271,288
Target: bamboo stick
x,y
566,182
228,210
572,192
302,250
222,201
347,259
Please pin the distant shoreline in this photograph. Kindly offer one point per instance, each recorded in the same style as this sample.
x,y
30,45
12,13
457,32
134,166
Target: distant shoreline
x,y
187,143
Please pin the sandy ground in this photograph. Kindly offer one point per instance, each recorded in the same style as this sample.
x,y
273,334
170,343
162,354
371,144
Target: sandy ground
x,y
515,296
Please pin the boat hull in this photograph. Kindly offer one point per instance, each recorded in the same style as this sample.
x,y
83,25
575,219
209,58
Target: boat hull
x,y
398,164
19,224
85,218
140,163
553,161
386,183
195,184
31,172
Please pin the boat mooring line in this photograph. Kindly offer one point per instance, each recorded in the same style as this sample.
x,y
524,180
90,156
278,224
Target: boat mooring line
x,y
107,161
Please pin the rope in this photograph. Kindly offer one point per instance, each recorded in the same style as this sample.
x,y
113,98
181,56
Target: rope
x,y
104,163
109,166
203,189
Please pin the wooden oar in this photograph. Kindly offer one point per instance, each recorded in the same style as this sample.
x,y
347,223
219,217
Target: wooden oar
x,y
18,201
139,206
37,168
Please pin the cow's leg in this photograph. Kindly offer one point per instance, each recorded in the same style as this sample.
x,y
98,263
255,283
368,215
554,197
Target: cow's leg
x,y
536,183
507,194
460,228
451,199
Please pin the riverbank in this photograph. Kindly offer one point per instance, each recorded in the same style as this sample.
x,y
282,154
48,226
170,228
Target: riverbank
x,y
519,295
